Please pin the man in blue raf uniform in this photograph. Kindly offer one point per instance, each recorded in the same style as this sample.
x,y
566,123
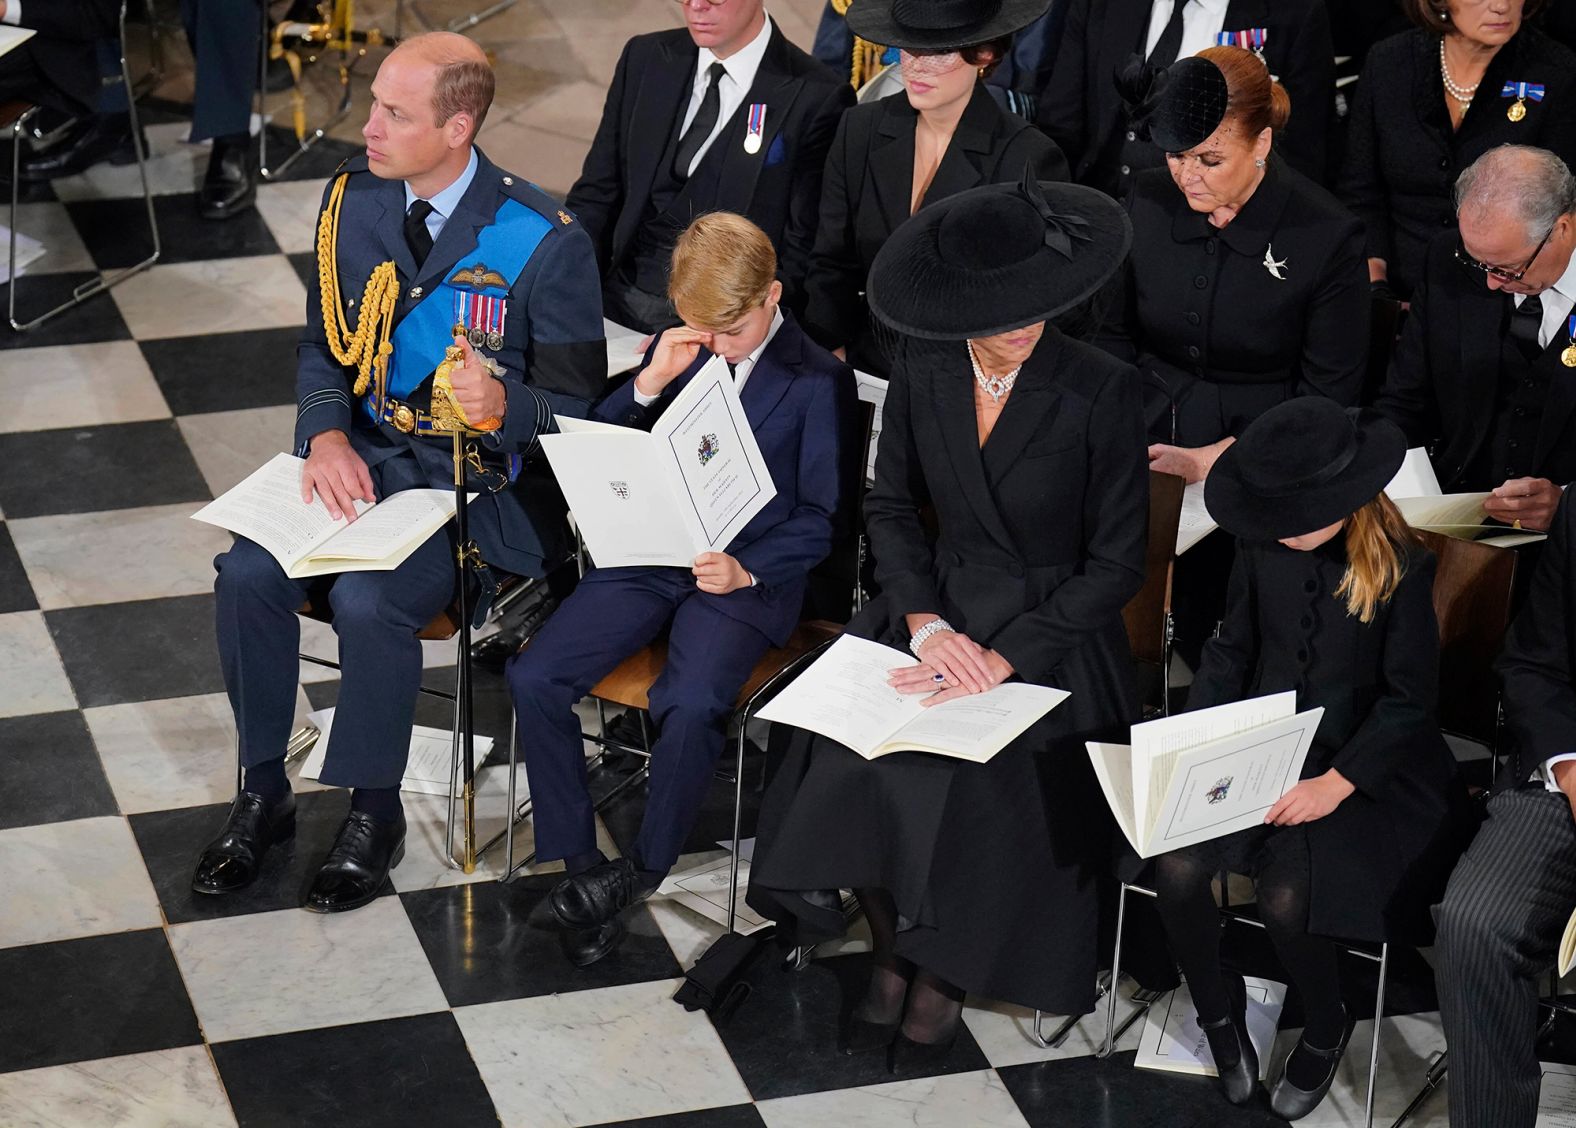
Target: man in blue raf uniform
x,y
422,238
722,614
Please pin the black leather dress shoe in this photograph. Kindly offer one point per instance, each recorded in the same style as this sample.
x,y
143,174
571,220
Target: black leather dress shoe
x,y
908,1056
1239,1081
230,186
591,899
231,861
861,1037
1289,1102
101,137
585,946
358,865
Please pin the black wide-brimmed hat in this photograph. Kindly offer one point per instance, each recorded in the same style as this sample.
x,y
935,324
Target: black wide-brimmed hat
x,y
1177,107
940,25
996,258
1302,466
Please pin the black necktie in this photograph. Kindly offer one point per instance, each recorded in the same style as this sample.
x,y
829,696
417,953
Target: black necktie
x,y
1525,322
417,237
700,129
733,369
1170,41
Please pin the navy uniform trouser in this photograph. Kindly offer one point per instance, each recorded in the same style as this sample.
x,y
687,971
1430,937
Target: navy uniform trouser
x,y
611,615
376,616
226,38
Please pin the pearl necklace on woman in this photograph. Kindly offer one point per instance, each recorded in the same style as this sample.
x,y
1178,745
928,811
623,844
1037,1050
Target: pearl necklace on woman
x,y
993,386
1462,94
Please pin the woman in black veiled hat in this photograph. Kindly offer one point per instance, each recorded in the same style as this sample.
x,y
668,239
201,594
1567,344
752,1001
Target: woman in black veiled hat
x,y
1026,448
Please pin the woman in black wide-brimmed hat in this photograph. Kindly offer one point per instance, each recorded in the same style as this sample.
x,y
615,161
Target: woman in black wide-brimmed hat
x,y
942,134
1331,597
1025,449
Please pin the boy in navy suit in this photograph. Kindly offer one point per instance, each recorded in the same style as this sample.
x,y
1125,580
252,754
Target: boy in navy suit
x,y
721,615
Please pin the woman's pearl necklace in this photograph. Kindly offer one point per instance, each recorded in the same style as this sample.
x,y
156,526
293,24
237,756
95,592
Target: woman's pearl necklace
x,y
1462,94
993,386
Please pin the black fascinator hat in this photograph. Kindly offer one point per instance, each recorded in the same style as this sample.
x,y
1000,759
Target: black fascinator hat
x,y
1177,107
1302,466
995,258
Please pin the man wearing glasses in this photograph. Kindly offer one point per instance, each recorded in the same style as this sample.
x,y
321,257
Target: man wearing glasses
x,y
724,114
1485,374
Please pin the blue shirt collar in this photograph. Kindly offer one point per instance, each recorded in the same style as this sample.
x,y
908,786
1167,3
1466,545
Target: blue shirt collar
x,y
444,202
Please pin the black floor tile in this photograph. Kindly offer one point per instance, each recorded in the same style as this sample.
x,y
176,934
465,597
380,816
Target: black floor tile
x,y
784,1036
318,163
97,319
1089,1092
489,942
714,824
115,232
90,469
389,1074
225,371
50,771
145,650
79,1000
730,1116
16,592
171,840
305,264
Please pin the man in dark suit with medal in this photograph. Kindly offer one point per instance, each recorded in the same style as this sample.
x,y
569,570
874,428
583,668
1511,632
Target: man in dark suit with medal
x,y
1083,109
725,115
424,244
1485,374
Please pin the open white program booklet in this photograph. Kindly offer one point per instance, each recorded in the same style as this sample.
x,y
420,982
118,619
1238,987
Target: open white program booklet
x,y
1416,493
663,497
267,508
844,696
1200,775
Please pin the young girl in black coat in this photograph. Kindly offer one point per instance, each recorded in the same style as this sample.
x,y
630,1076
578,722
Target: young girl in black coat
x,y
1330,596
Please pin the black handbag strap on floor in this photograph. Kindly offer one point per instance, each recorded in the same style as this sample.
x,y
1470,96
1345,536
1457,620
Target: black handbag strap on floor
x,y
716,984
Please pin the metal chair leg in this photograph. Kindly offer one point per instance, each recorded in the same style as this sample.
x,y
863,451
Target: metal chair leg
x,y
738,821
1438,1066
1373,1049
456,752
1116,976
1059,1035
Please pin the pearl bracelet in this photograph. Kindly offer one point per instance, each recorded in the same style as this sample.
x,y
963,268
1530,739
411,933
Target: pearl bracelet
x,y
935,626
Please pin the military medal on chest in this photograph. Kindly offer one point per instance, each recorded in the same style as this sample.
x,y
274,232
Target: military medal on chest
x,y
1568,357
480,316
755,128
1521,91
1249,39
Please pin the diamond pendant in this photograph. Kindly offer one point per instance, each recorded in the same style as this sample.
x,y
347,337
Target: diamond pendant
x,y
995,387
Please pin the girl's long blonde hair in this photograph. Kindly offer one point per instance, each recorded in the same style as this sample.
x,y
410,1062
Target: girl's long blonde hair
x,y
1377,537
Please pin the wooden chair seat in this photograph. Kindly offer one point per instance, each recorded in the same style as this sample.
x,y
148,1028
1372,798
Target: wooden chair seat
x,y
11,112
629,684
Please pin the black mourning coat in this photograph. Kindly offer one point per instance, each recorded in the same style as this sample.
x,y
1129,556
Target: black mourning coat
x,y
1083,113
1218,337
1402,158
1381,857
778,188
1443,383
58,66
867,188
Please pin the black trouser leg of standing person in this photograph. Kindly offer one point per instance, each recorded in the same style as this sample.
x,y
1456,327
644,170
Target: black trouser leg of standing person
x,y
226,41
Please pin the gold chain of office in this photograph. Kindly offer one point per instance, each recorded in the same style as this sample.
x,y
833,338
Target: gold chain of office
x,y
368,344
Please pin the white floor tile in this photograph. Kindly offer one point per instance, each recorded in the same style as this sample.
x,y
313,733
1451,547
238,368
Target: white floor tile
x,y
592,1056
173,166
61,881
229,445
1006,1033
32,680
979,1100
189,299
78,559
78,386
290,209
165,1089
51,225
321,970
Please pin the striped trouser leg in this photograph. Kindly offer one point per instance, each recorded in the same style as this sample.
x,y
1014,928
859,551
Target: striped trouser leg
x,y
1499,925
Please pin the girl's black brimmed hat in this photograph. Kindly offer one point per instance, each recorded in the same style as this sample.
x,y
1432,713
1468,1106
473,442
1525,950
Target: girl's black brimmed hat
x,y
1302,466
940,25
997,258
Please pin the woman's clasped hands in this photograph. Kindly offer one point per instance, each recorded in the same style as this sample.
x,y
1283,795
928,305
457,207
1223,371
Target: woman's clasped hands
x,y
951,665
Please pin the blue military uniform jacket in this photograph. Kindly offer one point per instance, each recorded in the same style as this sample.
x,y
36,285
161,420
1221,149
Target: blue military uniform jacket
x,y
506,241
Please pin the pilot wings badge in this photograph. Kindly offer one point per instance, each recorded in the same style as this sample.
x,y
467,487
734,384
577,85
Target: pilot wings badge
x,y
1272,266
478,277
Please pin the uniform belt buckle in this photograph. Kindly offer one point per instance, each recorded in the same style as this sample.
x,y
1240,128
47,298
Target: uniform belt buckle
x,y
404,419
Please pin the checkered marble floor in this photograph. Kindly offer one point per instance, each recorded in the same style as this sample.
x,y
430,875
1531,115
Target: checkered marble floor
x,y
126,1000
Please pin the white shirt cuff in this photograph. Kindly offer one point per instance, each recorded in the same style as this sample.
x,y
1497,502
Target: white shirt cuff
x,y
644,400
1546,770
13,13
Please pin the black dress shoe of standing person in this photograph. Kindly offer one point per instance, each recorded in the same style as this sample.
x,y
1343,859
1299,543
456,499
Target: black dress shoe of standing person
x,y
358,865
585,946
1290,1101
101,137
231,861
1238,1079
230,186
595,896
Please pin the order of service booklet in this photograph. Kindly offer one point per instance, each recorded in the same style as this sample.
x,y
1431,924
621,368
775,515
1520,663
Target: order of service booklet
x,y
844,696
1416,493
1200,775
664,496
267,508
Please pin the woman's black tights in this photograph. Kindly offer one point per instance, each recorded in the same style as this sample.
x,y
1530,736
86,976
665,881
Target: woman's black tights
x,y
934,1006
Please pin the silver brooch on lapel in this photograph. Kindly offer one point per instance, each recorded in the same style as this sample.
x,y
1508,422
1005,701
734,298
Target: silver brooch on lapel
x,y
1271,265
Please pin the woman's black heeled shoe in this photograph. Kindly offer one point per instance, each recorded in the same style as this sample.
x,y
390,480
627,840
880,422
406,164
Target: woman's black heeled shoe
x,y
1289,1102
1239,1081
909,1056
861,1037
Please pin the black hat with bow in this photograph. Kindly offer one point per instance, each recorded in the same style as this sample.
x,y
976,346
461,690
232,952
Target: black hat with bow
x,y
1302,466
940,25
996,258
